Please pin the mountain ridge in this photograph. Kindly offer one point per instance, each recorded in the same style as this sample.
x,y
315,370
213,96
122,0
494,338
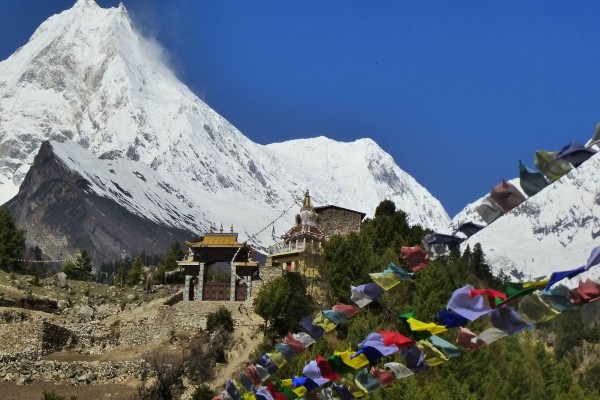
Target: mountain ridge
x,y
87,77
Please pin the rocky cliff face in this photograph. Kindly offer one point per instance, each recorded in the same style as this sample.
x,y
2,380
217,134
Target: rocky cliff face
x,y
61,215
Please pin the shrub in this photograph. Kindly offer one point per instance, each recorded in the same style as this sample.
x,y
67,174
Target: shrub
x,y
220,319
203,392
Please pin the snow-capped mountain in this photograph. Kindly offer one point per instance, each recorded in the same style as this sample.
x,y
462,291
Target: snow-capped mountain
x,y
139,136
552,231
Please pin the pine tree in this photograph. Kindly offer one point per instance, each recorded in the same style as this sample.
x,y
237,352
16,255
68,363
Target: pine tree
x,y
12,241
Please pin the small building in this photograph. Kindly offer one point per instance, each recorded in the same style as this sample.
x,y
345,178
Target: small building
x,y
335,220
218,267
303,239
301,246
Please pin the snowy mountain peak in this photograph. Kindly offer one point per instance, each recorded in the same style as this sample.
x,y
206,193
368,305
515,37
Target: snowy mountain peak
x,y
86,78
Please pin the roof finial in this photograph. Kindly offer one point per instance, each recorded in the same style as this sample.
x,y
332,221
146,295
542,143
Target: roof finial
x,y
306,200
221,228
210,229
231,229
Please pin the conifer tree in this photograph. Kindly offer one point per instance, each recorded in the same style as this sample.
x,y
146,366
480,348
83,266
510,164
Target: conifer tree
x,y
12,241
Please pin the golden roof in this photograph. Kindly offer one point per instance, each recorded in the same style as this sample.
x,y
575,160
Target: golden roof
x,y
218,240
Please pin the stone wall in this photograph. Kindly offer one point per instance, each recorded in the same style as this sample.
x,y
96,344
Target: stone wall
x,y
344,221
30,339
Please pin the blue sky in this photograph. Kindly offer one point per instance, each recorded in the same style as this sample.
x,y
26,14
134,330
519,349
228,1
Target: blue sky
x,y
456,92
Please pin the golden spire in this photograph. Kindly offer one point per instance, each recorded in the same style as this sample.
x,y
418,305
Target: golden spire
x,y
221,228
306,200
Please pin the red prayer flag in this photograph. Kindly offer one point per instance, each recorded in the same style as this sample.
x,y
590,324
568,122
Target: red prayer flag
x,y
348,310
384,377
588,291
491,295
326,369
295,344
276,395
468,339
415,257
394,338
252,374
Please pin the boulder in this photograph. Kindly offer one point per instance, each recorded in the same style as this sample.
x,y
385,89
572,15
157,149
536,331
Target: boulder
x,y
60,280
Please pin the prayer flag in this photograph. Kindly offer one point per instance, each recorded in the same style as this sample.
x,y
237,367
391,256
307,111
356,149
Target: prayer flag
x,y
343,392
293,343
491,295
447,348
400,370
304,338
365,294
263,394
506,195
384,377
560,275
352,360
587,292
366,381
371,353
414,359
323,322
415,257
286,350
395,338
534,309
593,259
375,340
508,320
326,369
252,374
468,339
469,228
339,366
431,355
553,169
491,335
316,332
336,317
532,182
385,281
308,383
575,153
312,371
262,372
488,210
441,238
267,363
347,309
433,250
558,297
278,358
232,390
451,319
418,326
469,307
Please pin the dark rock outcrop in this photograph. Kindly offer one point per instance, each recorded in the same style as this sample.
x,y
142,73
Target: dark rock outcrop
x,y
62,215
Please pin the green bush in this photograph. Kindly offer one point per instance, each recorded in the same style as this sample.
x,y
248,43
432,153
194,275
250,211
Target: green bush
x,y
203,392
220,319
54,396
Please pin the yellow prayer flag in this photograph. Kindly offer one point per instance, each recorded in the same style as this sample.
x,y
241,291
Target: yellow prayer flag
x,y
357,362
537,284
432,355
300,391
287,383
387,281
249,396
416,325
278,358
323,322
